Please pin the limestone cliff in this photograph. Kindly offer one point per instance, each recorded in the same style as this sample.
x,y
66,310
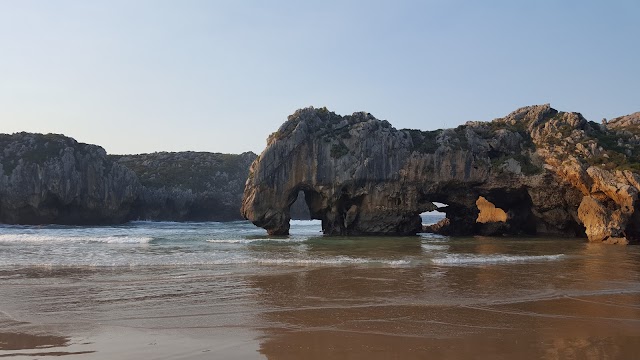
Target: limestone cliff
x,y
551,172
189,186
54,179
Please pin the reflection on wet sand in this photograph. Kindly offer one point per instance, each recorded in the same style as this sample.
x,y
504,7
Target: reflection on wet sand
x,y
19,341
480,312
560,328
23,344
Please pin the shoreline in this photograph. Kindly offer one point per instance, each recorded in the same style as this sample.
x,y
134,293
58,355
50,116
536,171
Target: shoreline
x,y
553,328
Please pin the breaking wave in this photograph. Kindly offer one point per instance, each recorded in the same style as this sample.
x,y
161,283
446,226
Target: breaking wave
x,y
493,259
229,261
253,241
36,238
341,260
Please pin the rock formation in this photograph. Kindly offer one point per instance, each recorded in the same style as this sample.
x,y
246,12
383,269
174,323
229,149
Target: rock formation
x,y
488,212
189,186
54,179
51,178
553,173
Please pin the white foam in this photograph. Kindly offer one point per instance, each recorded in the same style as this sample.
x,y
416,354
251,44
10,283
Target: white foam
x,y
251,241
230,241
492,259
434,247
305,222
433,237
37,238
340,260
397,262
222,262
122,239
337,261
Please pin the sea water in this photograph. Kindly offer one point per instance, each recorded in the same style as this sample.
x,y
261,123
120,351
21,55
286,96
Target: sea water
x,y
240,246
144,243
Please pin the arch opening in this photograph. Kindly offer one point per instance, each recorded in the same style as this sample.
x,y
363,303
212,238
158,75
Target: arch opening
x,y
299,210
436,220
505,211
303,219
489,212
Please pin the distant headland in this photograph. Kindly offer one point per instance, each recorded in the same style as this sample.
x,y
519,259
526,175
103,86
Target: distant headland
x,y
55,179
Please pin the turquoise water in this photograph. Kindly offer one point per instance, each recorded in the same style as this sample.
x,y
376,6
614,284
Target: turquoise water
x,y
233,243
230,247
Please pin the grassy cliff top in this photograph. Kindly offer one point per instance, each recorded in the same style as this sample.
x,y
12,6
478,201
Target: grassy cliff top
x,y
198,171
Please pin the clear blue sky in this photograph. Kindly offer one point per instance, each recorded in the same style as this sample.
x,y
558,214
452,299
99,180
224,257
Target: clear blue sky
x,y
143,76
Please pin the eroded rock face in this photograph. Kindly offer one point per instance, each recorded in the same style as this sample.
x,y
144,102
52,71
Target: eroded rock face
x,y
362,176
54,179
348,168
189,186
51,178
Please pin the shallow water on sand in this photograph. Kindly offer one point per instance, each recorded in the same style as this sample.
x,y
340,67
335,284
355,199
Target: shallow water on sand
x,y
226,290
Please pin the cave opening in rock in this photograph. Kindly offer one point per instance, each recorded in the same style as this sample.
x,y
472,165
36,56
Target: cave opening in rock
x,y
433,216
505,211
632,231
299,210
302,213
434,220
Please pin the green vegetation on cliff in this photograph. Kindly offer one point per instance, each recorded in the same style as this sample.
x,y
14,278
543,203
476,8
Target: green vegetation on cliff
x,y
424,141
32,148
195,171
54,179
193,186
618,148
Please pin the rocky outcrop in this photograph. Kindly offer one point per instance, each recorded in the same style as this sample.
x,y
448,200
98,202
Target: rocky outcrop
x,y
553,173
629,123
189,186
54,179
325,156
441,227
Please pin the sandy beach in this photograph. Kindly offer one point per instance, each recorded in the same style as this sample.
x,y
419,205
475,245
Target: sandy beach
x,y
312,313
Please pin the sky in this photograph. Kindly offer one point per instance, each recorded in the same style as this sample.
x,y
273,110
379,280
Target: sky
x,y
144,76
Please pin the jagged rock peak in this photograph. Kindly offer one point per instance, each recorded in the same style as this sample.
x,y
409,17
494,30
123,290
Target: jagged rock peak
x,y
627,121
529,114
320,120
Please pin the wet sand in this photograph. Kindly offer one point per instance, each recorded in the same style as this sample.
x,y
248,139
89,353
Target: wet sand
x,y
576,328
525,331
310,314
